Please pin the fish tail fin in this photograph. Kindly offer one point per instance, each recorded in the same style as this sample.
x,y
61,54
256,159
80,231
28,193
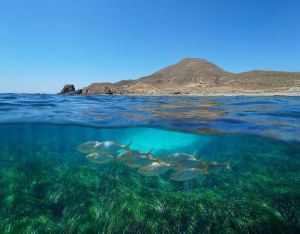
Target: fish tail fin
x,y
202,158
227,166
206,167
126,147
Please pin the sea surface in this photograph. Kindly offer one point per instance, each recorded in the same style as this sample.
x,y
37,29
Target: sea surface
x,y
48,186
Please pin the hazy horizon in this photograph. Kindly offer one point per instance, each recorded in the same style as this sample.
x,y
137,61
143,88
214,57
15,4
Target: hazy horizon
x,y
45,45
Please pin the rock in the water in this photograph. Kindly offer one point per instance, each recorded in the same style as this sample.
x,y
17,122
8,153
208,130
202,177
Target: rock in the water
x,y
68,89
99,89
79,91
107,90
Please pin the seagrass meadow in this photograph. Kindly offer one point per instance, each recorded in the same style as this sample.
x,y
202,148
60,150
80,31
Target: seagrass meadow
x,y
49,187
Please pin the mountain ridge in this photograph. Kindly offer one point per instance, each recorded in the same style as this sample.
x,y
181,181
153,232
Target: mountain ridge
x,y
194,76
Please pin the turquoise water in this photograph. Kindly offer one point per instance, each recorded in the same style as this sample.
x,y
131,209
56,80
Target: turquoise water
x,y
47,186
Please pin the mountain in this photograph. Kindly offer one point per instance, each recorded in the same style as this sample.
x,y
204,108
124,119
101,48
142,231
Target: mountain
x,y
199,76
186,72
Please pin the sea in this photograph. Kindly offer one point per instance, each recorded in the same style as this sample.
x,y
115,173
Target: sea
x,y
48,186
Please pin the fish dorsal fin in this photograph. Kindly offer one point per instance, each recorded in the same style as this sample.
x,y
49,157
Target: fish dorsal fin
x,y
149,152
126,147
206,167
227,166
194,155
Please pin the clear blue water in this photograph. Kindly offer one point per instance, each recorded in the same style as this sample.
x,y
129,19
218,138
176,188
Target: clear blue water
x,y
276,117
47,186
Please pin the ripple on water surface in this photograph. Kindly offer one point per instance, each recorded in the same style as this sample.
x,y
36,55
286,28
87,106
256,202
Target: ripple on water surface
x,y
276,117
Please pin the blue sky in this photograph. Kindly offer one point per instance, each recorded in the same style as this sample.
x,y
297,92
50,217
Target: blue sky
x,y
46,44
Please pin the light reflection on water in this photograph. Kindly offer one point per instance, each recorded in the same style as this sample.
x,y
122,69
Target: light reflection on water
x,y
276,117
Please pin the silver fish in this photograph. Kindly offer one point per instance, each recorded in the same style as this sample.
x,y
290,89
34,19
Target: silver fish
x,y
175,157
215,166
187,163
155,169
88,147
139,161
111,147
126,155
186,174
100,157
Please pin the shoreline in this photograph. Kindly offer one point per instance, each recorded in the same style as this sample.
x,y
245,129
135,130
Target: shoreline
x,y
270,94
289,94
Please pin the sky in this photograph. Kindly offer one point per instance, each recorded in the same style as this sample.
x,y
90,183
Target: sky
x,y
46,44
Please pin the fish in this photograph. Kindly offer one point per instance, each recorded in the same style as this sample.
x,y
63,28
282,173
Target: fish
x,y
212,166
100,157
139,161
176,157
88,147
207,167
111,146
187,174
188,163
155,169
128,154
133,153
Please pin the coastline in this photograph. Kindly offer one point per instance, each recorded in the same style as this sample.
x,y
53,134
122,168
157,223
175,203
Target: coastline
x,y
272,94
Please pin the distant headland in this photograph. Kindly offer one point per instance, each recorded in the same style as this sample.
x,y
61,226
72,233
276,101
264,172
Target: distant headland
x,y
193,76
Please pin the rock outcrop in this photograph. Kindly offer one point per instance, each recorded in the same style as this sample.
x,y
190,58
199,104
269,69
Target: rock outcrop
x,y
98,88
68,89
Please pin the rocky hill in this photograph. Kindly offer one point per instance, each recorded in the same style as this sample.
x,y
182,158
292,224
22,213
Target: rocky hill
x,y
192,76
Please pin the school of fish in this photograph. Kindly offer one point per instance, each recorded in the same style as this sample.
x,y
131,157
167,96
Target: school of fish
x,y
186,166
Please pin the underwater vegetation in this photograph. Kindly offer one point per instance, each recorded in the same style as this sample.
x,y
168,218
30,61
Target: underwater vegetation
x,y
48,187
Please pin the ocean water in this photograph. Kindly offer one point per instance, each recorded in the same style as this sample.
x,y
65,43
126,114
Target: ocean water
x,y
47,186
